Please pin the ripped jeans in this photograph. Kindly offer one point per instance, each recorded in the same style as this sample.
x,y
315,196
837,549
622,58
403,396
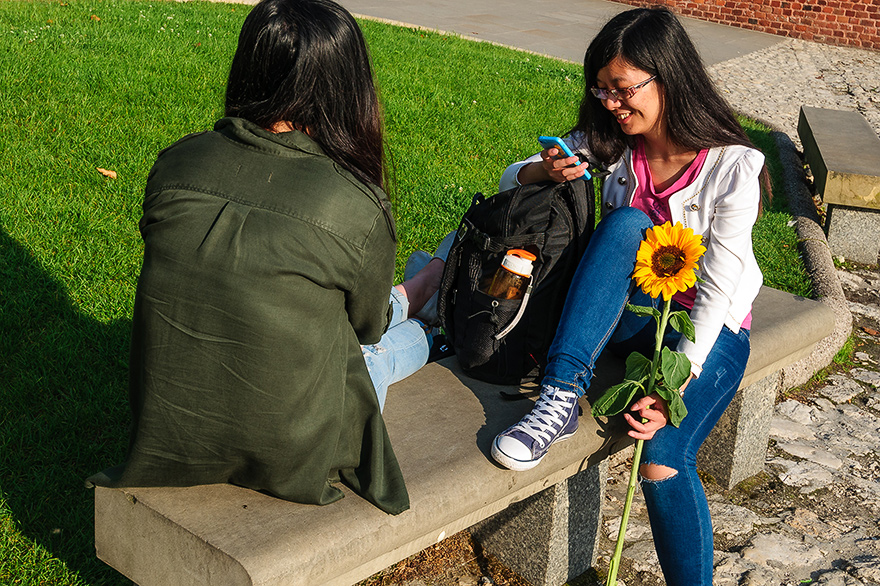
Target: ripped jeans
x,y
593,318
402,350
677,504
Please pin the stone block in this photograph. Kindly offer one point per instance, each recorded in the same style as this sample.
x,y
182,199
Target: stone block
x,y
550,537
854,233
737,446
843,152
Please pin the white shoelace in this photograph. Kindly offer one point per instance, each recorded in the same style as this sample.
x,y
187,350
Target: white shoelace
x,y
547,416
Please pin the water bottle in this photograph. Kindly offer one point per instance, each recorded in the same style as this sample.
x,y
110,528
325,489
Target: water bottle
x,y
512,278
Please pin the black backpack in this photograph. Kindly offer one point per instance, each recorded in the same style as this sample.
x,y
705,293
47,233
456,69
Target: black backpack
x,y
506,341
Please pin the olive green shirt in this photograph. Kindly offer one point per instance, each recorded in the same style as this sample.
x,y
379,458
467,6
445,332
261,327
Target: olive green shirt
x,y
266,266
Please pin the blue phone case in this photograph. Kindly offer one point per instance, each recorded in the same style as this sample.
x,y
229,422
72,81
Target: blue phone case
x,y
549,142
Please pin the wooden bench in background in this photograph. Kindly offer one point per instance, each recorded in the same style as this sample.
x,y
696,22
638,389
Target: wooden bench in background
x,y
542,523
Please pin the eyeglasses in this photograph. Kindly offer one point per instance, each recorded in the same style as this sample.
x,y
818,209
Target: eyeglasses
x,y
622,94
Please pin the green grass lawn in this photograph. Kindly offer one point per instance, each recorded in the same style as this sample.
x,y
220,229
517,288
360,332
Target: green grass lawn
x,y
105,83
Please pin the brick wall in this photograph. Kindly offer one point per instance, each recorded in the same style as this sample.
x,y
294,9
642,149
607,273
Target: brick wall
x,y
836,22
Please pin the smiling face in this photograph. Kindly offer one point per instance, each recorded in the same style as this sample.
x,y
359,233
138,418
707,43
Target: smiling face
x,y
640,114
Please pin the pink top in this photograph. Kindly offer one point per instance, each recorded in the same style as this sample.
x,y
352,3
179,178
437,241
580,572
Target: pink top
x,y
656,205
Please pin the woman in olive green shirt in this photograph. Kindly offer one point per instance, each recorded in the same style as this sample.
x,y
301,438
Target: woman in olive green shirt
x,y
269,255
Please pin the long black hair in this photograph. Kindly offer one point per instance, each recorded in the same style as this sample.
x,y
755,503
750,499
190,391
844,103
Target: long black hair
x,y
653,40
306,62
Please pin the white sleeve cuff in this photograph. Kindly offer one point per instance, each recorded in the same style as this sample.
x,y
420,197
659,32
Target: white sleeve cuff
x,y
509,178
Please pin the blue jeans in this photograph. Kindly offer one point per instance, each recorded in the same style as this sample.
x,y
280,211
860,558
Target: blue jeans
x,y
401,351
594,318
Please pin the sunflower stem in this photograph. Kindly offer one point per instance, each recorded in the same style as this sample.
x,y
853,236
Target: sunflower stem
x,y
614,565
658,345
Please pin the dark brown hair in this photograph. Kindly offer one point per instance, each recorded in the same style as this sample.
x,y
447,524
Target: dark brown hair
x,y
306,62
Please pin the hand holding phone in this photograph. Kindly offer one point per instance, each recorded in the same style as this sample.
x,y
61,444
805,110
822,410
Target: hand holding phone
x,y
554,142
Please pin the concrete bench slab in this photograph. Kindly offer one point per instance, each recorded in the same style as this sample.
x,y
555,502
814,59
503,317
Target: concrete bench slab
x,y
785,329
843,152
441,424
844,155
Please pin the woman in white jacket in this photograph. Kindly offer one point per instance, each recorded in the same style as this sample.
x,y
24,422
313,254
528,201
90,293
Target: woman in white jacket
x,y
675,152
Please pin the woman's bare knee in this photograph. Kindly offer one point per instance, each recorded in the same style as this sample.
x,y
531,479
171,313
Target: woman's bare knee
x,y
656,472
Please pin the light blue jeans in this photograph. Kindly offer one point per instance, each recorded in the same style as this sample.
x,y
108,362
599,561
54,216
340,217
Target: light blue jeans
x,y
402,350
594,317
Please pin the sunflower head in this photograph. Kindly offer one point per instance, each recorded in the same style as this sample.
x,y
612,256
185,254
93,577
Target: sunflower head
x,y
666,260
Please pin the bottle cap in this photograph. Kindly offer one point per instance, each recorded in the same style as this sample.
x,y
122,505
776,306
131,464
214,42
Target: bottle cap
x,y
519,262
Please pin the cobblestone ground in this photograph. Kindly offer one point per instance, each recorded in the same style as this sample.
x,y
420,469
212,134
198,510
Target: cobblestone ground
x,y
772,84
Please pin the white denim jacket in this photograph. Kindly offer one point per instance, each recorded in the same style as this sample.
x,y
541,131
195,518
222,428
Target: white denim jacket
x,y
721,206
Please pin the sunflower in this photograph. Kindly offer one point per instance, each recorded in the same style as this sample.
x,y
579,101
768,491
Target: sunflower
x,y
666,260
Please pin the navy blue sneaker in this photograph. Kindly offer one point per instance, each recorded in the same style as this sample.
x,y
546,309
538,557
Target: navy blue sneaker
x,y
553,418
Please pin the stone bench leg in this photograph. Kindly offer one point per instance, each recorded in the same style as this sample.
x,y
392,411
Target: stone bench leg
x,y
854,233
552,536
737,446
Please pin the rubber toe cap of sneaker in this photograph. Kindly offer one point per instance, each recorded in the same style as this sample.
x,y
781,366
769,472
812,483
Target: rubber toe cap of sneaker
x,y
512,453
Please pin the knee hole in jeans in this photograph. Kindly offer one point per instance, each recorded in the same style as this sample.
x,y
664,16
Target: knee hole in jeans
x,y
656,472
374,348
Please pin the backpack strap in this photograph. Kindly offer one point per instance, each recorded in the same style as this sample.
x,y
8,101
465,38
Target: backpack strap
x,y
518,316
487,243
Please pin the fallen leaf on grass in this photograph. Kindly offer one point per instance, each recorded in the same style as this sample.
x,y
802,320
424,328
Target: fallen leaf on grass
x,y
871,331
94,17
107,173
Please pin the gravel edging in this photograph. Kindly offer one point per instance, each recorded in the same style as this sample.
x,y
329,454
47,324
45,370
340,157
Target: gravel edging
x,y
817,259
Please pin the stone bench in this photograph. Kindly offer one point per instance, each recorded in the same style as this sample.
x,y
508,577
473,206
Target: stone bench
x,y
843,152
542,523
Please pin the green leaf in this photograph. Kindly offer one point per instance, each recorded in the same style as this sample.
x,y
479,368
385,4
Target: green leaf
x,y
616,399
665,393
676,368
645,311
676,410
638,368
681,321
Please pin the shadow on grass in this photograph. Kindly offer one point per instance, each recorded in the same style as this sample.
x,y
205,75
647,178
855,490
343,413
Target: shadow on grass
x,y
63,416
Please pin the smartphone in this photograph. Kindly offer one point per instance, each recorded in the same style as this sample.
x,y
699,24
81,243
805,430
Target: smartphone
x,y
550,142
